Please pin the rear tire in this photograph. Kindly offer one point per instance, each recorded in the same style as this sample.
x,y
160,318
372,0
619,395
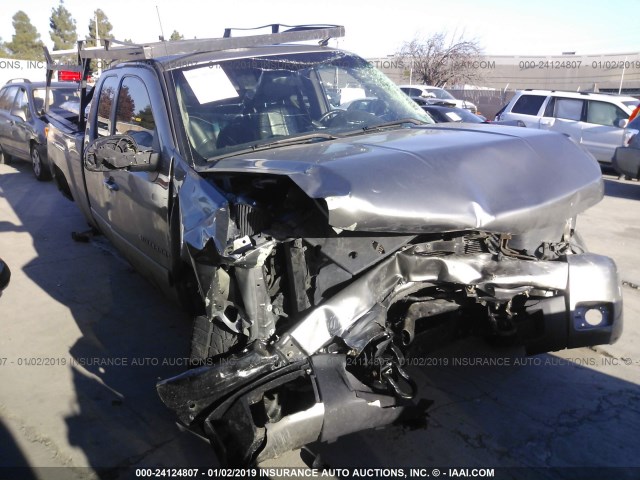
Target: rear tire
x,y
40,168
211,339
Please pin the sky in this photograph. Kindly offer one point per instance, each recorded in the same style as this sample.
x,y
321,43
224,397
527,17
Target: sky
x,y
374,28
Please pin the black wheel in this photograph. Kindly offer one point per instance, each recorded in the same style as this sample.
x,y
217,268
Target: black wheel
x,y
40,169
4,158
211,339
187,290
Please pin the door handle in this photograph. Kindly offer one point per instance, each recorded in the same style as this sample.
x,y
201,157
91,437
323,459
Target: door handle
x,y
111,185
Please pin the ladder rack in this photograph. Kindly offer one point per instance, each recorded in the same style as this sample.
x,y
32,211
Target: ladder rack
x,y
122,51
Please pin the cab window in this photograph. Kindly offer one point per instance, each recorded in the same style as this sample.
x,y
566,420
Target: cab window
x,y
105,104
134,115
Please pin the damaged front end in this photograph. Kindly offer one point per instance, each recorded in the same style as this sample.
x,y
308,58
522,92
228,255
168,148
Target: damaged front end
x,y
324,293
282,405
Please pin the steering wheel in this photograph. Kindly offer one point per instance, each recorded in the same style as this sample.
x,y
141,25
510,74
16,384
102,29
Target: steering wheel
x,y
328,117
338,118
203,136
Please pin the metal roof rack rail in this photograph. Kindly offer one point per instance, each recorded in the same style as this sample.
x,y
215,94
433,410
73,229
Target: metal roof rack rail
x,y
123,51
577,92
19,80
326,32
558,90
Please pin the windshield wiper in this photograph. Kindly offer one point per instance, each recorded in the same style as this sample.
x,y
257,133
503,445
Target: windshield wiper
x,y
382,126
307,138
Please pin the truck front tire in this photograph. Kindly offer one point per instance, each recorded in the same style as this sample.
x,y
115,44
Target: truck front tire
x,y
4,158
210,339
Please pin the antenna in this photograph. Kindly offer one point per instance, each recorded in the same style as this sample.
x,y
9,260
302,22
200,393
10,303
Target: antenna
x,y
95,18
160,22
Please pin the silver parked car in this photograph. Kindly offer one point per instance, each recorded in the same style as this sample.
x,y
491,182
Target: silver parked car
x,y
437,96
22,130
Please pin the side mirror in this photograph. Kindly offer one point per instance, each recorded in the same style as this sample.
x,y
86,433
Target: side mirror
x,y
622,123
119,152
16,112
5,275
547,122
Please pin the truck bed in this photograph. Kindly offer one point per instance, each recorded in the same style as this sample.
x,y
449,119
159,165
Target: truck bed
x,y
64,149
65,120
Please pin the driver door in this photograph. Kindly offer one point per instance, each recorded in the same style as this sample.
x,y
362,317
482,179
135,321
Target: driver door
x,y
131,207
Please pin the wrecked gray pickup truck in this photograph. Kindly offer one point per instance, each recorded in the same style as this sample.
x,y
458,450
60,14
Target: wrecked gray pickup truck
x,y
316,242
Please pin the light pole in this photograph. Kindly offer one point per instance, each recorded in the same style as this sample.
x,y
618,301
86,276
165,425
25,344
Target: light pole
x,y
624,66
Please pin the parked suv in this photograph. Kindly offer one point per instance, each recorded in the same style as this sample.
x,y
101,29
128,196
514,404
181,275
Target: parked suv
x,y
626,160
437,96
595,120
22,130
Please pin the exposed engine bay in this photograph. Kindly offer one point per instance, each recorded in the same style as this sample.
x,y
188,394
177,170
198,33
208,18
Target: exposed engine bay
x,y
311,323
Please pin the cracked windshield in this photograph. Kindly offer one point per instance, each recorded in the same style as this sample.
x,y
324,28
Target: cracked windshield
x,y
238,105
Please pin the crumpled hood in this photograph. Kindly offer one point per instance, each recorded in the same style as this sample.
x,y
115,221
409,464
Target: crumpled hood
x,y
434,179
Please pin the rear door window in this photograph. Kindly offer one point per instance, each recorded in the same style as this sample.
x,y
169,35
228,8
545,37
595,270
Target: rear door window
x,y
569,109
22,104
528,104
6,98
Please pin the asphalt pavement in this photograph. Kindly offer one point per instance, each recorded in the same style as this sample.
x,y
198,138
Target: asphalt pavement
x,y
84,339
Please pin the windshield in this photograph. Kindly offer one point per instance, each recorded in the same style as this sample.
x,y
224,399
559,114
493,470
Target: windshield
x,y
66,98
453,115
441,93
233,105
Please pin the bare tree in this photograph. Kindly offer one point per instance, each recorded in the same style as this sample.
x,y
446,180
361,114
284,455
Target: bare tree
x,y
441,59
